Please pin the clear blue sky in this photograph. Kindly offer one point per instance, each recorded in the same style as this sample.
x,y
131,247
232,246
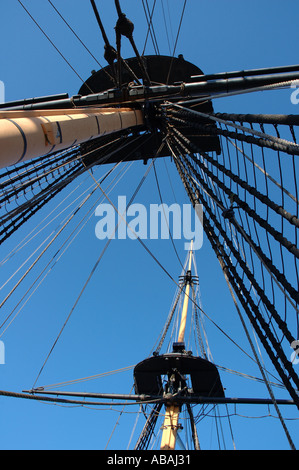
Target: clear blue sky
x,y
123,310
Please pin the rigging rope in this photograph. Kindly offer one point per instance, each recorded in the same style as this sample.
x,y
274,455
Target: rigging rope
x,y
258,138
151,30
261,368
234,196
240,291
165,24
231,282
176,41
52,175
52,43
124,27
161,200
76,35
195,170
93,269
55,258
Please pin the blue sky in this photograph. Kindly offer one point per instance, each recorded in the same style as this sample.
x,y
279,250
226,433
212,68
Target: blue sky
x,y
123,310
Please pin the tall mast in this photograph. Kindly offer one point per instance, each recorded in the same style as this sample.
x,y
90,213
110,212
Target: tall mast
x,y
186,299
172,413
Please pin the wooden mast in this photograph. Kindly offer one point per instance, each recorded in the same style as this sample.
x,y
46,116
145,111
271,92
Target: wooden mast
x,y
170,426
28,134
